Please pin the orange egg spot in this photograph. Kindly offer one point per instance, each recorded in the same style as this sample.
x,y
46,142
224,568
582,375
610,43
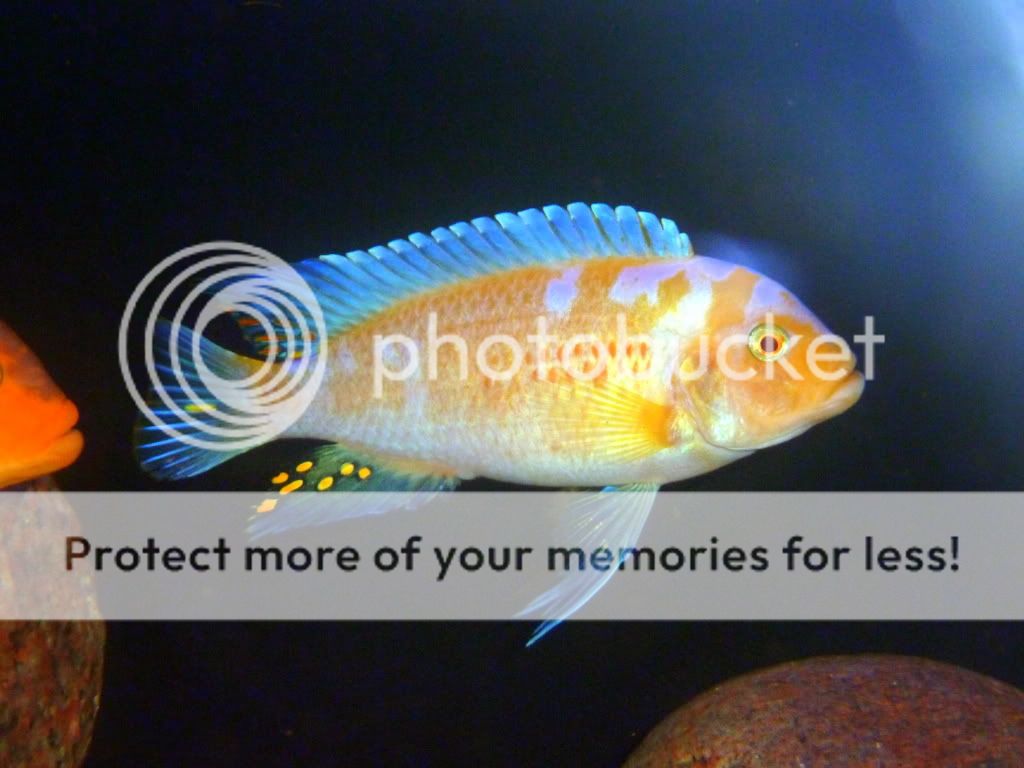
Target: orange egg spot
x,y
279,478
267,505
294,485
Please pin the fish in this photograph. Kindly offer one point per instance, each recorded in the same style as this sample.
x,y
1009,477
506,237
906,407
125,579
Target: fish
x,y
37,435
620,393
50,707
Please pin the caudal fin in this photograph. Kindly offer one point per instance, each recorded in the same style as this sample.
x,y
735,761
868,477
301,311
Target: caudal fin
x,y
193,430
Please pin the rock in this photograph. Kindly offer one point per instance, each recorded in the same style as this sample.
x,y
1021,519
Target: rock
x,y
50,671
845,711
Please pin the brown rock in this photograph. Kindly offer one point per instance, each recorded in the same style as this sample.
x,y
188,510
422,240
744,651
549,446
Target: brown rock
x,y
50,676
50,671
845,711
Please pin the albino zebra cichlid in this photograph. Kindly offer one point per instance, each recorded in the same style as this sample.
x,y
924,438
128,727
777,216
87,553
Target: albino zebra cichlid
x,y
582,346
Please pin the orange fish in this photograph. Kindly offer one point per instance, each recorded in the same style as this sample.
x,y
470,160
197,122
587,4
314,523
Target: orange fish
x,y
36,419
584,346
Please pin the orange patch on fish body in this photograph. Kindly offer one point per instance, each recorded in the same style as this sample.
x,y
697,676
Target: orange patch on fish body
x,y
527,404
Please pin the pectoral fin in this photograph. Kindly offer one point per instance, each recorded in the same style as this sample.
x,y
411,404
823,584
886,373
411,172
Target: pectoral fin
x,y
603,419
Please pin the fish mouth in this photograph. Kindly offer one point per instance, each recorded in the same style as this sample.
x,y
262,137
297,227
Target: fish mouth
x,y
58,454
847,392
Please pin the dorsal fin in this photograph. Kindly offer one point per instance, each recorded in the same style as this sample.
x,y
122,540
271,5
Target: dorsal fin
x,y
353,286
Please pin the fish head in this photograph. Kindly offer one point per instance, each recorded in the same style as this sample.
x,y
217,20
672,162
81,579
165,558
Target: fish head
x,y
37,420
771,369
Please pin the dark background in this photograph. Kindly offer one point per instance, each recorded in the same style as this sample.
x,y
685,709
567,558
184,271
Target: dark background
x,y
876,147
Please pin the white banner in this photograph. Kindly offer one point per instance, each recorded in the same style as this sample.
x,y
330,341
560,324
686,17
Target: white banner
x,y
740,556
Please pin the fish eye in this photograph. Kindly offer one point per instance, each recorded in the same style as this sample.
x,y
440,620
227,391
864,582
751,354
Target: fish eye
x,y
768,342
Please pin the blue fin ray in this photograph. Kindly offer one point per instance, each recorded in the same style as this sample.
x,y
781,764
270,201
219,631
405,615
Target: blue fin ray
x,y
562,226
169,456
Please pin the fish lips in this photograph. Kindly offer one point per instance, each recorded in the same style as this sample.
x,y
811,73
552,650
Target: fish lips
x,y
56,456
847,392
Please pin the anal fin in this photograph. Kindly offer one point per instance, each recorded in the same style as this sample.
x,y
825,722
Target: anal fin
x,y
338,483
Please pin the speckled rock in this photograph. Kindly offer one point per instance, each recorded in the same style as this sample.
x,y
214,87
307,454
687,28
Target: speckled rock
x,y
50,671
845,711
50,676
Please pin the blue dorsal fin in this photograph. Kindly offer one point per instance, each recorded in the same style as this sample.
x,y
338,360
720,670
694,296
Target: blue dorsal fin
x,y
353,286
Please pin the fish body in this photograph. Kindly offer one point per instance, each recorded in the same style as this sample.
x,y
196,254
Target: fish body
x,y
36,419
538,427
571,347
553,429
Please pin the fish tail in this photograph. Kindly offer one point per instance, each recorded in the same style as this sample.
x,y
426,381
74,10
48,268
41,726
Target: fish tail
x,y
189,428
